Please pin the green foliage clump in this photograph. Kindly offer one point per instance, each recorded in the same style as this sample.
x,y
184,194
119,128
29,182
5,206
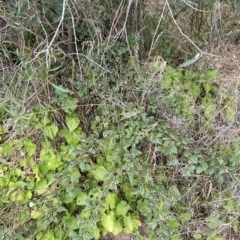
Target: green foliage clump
x,y
192,94
87,145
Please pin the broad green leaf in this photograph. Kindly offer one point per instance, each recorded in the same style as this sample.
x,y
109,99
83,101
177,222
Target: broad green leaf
x,y
70,194
74,174
142,206
74,236
207,87
173,224
204,165
29,146
117,228
51,131
26,195
60,88
85,214
122,208
37,172
70,222
22,196
25,216
41,186
82,196
53,162
174,149
95,193
199,169
96,233
194,159
44,154
36,214
72,122
72,138
69,105
100,173
49,235
108,221
13,194
136,222
129,224
46,120
18,184
112,200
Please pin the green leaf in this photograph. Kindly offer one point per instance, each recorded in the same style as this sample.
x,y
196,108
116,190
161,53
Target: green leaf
x,y
70,194
112,199
100,173
70,222
136,222
74,235
37,172
96,233
82,196
142,206
229,112
41,186
117,228
85,214
36,214
29,146
60,88
122,208
73,137
108,221
69,105
212,73
173,224
199,169
72,122
44,154
51,131
53,162
129,224
74,174
197,236
204,165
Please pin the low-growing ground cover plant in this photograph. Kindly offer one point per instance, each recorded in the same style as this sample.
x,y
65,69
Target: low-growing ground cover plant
x,y
100,137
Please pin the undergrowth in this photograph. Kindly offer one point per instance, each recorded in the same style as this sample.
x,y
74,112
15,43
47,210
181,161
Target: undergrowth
x,y
100,136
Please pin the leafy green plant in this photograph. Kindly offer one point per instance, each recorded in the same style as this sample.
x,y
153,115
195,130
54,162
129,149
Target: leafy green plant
x,y
192,94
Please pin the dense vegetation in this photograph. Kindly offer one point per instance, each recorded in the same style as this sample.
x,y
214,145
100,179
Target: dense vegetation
x,y
110,127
